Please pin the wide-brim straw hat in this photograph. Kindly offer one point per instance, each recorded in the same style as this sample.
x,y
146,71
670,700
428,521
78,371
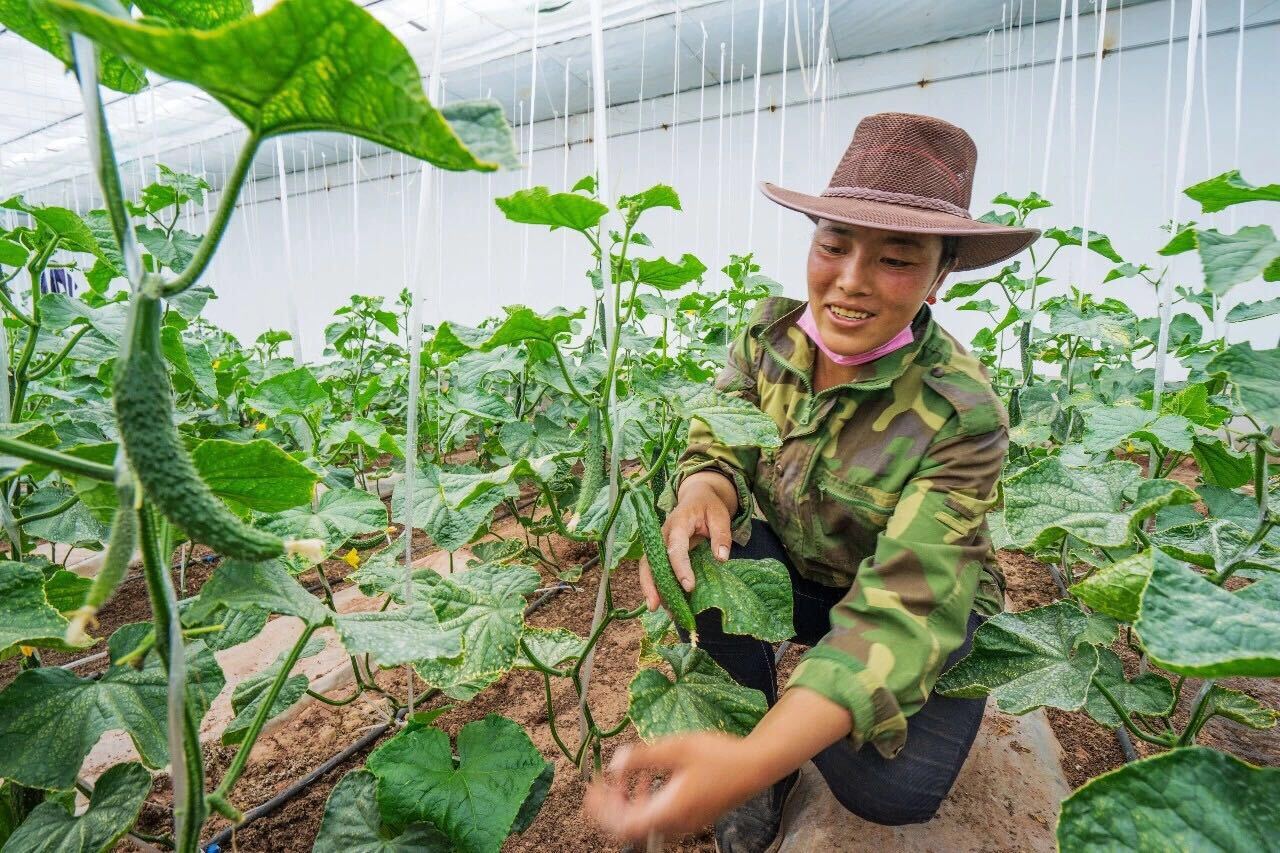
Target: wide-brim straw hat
x,y
905,172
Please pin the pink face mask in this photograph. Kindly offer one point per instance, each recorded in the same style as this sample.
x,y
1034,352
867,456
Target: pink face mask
x,y
810,327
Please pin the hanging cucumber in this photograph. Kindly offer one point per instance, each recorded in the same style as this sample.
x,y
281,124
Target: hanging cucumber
x,y
115,562
592,465
664,577
144,412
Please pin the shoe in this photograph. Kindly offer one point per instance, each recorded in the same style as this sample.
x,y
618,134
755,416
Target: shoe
x,y
753,826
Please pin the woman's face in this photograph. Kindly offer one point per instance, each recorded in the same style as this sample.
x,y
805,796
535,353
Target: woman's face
x,y
866,284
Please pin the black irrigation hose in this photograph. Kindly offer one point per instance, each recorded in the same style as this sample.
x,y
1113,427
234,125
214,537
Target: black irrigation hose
x,y
358,746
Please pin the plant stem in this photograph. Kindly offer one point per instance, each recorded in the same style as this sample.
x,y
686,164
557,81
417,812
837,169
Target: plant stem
x,y
1197,719
58,460
49,513
48,367
551,720
1123,714
218,799
226,204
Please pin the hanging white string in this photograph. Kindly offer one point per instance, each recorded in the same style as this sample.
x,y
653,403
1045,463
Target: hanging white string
x,y
1101,20
425,208
1031,75
675,99
1053,100
755,128
1166,283
782,123
1168,96
564,185
291,301
644,43
1012,126
702,91
1119,96
720,158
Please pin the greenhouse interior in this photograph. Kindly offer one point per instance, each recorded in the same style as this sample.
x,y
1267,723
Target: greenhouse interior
x,y
699,425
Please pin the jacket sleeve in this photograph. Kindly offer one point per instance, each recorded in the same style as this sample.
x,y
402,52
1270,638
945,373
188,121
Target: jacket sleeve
x,y
703,452
908,608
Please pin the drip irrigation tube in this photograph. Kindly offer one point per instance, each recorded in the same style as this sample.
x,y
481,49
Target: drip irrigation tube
x,y
365,741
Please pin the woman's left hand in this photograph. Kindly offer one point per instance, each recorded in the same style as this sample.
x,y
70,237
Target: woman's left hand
x,y
707,773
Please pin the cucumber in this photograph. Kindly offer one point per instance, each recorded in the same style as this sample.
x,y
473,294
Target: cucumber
x,y
144,413
115,562
592,465
664,577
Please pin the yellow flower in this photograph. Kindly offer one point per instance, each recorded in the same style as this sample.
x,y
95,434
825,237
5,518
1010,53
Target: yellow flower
x,y
390,530
352,559
260,426
28,651
217,362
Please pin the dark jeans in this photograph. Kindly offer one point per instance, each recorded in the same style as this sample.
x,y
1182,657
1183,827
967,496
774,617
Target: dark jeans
x,y
905,789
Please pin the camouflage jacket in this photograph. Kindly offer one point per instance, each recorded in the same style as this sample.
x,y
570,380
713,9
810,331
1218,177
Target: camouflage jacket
x,y
881,485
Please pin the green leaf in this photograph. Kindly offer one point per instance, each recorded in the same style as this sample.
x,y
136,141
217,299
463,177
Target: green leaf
x,y
460,488
1026,661
1231,259
51,718
399,636
1116,590
475,802
75,526
12,254
658,195
448,526
117,801
1221,465
1100,505
22,18
537,206
239,585
363,432
255,474
702,697
238,626
26,617
486,604
1191,627
65,591
521,324
753,596
1229,188
303,65
665,275
1212,543
249,694
351,823
1254,310
72,233
1105,427
482,126
537,796
1148,694
1253,377
734,421
1183,241
1099,243
1239,707
1093,323
543,437
338,515
1187,799
173,251
551,646
292,392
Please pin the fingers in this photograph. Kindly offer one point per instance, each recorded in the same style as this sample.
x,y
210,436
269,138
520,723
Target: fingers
x,y
651,597
678,535
718,531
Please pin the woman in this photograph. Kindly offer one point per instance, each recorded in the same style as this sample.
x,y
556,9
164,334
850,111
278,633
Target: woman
x,y
892,443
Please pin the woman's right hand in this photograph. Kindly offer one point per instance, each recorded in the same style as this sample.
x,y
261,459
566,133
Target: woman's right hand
x,y
703,511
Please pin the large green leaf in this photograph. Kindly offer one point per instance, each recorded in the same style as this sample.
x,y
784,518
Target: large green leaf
x,y
537,206
1116,589
1222,191
399,636
1239,707
666,275
1220,465
116,802
26,616
1026,661
485,604
338,515
239,585
50,718
702,697
1192,627
73,526
1099,243
551,647
1105,427
1231,259
302,65
352,824
754,596
482,126
734,421
1253,378
521,324
255,474
71,231
1254,310
461,488
248,695
1188,799
1110,327
1212,543
22,18
293,392
1148,693
363,432
475,801
448,526
1101,505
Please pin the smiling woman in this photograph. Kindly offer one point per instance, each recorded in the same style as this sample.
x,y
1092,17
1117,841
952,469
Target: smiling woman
x,y
892,444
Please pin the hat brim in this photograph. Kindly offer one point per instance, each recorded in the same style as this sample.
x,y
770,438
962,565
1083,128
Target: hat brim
x,y
982,243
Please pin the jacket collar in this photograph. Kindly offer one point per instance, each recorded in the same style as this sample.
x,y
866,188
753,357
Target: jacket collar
x,y
791,348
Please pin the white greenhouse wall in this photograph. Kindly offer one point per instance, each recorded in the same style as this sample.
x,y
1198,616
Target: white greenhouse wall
x,y
485,262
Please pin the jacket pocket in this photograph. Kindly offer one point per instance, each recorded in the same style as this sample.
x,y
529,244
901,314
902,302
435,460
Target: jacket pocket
x,y
870,505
